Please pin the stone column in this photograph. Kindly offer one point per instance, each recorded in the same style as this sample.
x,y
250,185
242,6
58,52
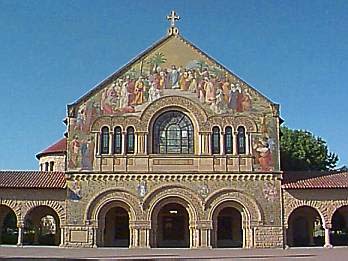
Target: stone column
x,y
222,143
20,234
111,139
62,237
235,148
124,141
327,238
145,143
205,230
247,143
136,135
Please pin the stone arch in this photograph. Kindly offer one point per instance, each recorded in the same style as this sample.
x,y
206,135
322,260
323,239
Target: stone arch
x,y
15,207
167,102
152,200
246,122
54,205
106,196
320,208
250,205
333,208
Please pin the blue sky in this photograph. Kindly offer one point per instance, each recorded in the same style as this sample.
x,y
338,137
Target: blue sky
x,y
52,52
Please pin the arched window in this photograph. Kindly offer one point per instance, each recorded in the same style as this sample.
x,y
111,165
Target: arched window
x,y
46,166
228,140
215,140
104,141
117,140
130,140
241,140
173,134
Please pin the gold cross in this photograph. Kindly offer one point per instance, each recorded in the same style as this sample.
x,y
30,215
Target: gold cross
x,y
172,17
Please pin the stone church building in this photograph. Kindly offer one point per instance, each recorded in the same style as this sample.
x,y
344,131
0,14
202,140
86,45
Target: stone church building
x,y
172,150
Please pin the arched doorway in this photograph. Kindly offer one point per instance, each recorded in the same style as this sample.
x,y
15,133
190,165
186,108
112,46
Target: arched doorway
x,y
228,219
8,226
305,228
339,230
116,230
229,228
42,227
114,218
170,227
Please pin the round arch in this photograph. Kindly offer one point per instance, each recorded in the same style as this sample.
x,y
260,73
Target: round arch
x,y
194,110
249,204
339,226
56,206
8,225
42,225
321,209
305,227
15,207
107,196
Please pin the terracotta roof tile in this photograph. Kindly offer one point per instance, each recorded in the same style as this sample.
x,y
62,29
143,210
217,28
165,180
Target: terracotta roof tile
x,y
315,180
58,147
32,179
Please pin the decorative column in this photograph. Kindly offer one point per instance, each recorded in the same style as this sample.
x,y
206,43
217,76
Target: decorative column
x,y
327,238
247,143
111,139
136,136
20,226
140,141
205,230
222,143
235,148
205,143
96,142
124,143
62,237
145,143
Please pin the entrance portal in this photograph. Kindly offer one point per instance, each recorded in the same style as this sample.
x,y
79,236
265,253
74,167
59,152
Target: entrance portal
x,y
116,231
173,226
339,235
229,228
305,228
8,226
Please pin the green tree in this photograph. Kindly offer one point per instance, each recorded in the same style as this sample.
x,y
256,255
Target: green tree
x,y
301,150
156,60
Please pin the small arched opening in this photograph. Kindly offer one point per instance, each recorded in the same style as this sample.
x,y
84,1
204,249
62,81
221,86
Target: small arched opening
x,y
305,228
339,230
8,226
42,227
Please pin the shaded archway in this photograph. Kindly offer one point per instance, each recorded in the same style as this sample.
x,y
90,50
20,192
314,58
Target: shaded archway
x,y
339,230
171,226
305,228
113,225
116,230
41,227
8,226
229,228
229,221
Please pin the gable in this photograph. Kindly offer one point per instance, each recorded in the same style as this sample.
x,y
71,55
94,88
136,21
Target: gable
x,y
173,66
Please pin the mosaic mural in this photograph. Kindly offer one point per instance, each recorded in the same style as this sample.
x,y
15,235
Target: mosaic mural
x,y
174,68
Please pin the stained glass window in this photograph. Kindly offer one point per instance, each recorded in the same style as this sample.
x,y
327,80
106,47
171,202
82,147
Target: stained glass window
x,y
173,134
241,140
215,140
117,140
104,141
228,140
130,140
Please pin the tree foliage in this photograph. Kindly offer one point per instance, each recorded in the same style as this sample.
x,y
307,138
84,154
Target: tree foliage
x,y
301,150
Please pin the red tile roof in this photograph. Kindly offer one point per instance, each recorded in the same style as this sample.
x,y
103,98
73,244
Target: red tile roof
x,y
315,180
58,147
32,179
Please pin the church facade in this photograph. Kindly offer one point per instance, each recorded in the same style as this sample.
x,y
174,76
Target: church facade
x,y
172,150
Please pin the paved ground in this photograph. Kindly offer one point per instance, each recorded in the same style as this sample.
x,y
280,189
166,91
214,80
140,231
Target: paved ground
x,y
54,253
